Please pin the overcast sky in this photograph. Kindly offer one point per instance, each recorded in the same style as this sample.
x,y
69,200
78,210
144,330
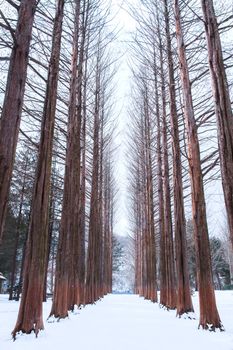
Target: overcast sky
x,y
126,24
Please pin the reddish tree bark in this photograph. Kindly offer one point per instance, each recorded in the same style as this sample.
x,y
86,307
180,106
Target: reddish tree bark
x,y
19,221
184,301
73,169
161,232
107,226
30,312
209,317
223,107
81,96
168,296
50,233
145,257
66,278
94,270
151,256
82,260
92,276
138,232
13,101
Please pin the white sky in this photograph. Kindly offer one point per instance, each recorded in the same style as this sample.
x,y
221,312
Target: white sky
x,y
126,24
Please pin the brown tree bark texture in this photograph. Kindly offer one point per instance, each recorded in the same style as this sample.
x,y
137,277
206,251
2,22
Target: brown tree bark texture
x,y
168,291
30,312
107,232
92,291
13,101
66,277
223,108
19,221
73,167
50,233
81,115
160,194
151,256
209,317
184,301
82,261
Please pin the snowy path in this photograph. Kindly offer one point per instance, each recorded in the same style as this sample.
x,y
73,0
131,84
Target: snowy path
x,y
120,322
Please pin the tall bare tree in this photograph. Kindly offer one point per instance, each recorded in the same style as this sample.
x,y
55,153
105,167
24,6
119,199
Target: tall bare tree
x,y
93,282
168,294
209,317
13,100
223,107
66,281
184,302
30,312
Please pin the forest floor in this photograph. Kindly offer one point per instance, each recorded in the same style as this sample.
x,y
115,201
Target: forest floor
x,y
120,322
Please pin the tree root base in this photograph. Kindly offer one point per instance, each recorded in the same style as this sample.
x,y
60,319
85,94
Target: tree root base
x,y
23,331
211,327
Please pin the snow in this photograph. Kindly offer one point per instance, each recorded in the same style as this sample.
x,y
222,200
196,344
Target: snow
x,y
120,322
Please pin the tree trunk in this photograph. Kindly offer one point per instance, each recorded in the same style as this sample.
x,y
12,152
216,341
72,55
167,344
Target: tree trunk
x,y
30,312
73,163
92,277
160,193
82,255
223,108
50,235
152,277
19,289
13,101
138,234
108,228
66,278
81,95
184,301
209,317
19,221
100,204
168,283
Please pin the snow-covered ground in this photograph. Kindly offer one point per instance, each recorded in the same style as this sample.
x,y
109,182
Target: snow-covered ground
x,y
120,322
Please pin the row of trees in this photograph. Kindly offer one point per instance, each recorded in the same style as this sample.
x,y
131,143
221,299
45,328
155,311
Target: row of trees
x,y
56,134
57,110
180,88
